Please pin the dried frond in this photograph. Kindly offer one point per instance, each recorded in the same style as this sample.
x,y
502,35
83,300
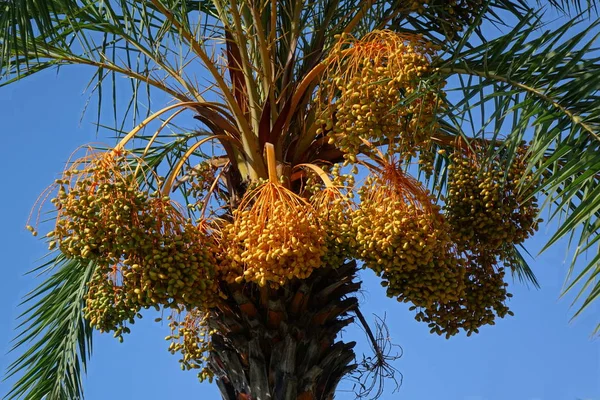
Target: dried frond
x,y
373,371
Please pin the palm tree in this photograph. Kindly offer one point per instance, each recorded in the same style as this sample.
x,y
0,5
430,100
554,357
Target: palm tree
x,y
311,119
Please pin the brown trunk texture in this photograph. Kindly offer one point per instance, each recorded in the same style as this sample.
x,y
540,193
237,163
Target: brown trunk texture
x,y
281,344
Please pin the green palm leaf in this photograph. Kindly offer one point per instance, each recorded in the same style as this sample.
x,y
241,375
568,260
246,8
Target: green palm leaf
x,y
573,5
524,84
542,87
58,338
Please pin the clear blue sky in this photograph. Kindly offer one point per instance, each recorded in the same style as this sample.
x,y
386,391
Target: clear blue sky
x,y
535,355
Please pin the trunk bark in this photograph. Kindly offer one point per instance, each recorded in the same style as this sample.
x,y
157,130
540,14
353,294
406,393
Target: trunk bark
x,y
281,344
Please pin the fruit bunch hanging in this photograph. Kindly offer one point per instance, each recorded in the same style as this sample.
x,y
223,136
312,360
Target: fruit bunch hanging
x,y
107,306
334,211
190,338
274,236
98,209
175,265
490,204
146,253
374,95
200,182
451,16
490,208
483,299
375,89
402,236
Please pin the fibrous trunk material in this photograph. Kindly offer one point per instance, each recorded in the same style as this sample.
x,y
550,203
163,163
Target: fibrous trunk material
x,y
280,344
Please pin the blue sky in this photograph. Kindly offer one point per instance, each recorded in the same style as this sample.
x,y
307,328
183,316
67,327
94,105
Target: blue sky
x,y
535,355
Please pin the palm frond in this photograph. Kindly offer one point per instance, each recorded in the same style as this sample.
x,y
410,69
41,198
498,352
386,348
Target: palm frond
x,y
569,6
543,87
526,84
521,269
122,38
57,337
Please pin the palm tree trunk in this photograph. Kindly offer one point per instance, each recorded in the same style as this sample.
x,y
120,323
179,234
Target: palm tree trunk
x,y
281,344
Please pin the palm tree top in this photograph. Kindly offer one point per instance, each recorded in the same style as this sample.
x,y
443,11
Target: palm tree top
x,y
290,102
